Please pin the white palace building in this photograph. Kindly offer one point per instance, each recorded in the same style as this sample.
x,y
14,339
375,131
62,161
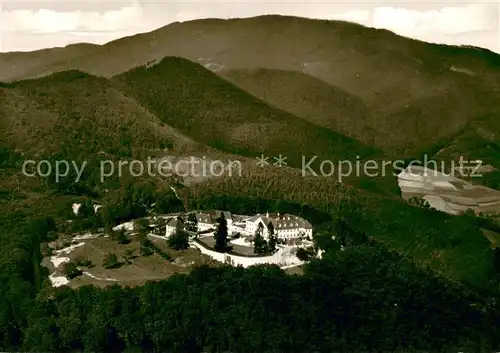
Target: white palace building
x,y
286,226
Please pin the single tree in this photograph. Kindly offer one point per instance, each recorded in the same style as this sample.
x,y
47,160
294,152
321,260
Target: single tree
x,y
142,238
179,240
121,236
71,270
86,210
220,234
192,222
160,225
141,225
304,254
180,224
259,243
142,228
82,262
272,244
343,231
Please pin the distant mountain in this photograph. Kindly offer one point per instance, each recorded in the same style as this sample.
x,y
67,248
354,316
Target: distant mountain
x,y
404,95
19,65
176,105
213,111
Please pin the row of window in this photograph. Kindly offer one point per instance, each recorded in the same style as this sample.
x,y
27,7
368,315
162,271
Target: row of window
x,y
280,225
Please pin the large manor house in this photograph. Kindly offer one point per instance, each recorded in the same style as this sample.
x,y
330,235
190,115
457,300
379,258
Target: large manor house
x,y
286,226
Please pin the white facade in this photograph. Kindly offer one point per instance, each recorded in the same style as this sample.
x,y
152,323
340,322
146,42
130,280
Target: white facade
x,y
172,225
169,230
205,226
285,226
208,220
285,256
205,222
76,208
252,225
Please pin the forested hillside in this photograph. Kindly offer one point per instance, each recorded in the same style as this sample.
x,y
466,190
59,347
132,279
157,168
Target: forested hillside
x,y
393,276
339,303
78,115
306,97
405,83
211,110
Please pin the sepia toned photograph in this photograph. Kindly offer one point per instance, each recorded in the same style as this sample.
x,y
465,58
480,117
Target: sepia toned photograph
x,y
245,177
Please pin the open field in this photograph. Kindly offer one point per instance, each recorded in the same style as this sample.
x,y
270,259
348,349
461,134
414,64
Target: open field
x,y
447,193
140,270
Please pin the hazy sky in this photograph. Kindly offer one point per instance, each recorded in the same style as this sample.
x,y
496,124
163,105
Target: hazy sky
x,y
31,25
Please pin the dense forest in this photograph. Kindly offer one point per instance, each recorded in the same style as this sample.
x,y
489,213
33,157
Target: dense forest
x,y
364,297
393,276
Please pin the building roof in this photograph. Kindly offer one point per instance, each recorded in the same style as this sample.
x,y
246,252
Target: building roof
x,y
211,217
174,222
281,222
204,218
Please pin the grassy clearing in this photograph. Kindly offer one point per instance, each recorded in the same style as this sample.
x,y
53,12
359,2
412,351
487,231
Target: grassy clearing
x,y
140,270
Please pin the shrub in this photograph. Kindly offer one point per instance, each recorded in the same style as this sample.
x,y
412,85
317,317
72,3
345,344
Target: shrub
x,y
83,262
71,270
121,236
146,251
305,254
179,240
130,254
110,261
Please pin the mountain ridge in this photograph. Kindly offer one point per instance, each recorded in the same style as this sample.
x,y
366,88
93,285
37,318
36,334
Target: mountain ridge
x,y
404,83
246,121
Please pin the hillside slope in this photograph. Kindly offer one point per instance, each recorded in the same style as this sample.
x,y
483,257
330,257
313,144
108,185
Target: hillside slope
x,y
307,97
20,65
180,105
76,115
417,93
400,126
213,111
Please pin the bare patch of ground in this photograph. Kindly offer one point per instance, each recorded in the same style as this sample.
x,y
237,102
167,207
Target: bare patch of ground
x,y
462,70
493,237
